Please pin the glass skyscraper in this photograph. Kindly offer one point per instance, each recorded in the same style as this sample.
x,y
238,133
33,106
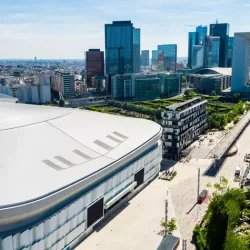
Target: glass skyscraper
x,y
170,56
136,50
211,51
192,40
122,47
145,58
197,56
221,30
201,32
230,51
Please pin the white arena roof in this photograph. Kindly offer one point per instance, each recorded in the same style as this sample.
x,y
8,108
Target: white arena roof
x,y
46,149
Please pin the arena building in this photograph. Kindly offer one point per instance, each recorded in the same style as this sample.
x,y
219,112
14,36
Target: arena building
x,y
62,170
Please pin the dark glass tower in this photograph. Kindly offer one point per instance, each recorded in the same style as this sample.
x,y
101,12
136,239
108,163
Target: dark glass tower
x,y
221,30
122,48
136,50
94,64
122,44
201,33
230,51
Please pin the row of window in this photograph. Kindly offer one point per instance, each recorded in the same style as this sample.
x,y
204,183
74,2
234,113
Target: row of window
x,y
57,231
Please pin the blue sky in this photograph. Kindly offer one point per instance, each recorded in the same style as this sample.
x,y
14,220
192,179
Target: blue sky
x,y
63,29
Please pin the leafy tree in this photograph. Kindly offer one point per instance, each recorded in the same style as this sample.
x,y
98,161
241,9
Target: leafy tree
x,y
183,79
199,238
223,213
213,93
223,120
61,103
168,227
171,226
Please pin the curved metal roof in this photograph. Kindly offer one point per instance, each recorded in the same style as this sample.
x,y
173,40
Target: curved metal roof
x,y
217,70
45,149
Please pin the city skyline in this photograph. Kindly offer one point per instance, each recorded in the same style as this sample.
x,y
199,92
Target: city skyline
x,y
49,30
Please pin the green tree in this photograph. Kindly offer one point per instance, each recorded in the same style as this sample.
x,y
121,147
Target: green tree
x,y
213,93
168,227
61,103
223,120
223,214
183,79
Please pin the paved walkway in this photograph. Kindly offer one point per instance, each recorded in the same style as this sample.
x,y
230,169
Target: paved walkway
x,y
136,227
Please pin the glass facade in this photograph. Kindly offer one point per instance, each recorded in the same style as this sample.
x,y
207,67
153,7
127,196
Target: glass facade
x,y
170,85
215,52
192,40
230,51
201,32
122,47
62,229
147,88
197,56
136,50
145,58
170,56
211,51
221,30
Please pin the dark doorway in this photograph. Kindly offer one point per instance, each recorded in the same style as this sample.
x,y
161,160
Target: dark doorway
x,y
139,177
95,212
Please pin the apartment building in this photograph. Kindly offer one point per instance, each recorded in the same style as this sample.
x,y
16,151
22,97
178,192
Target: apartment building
x,y
182,123
64,83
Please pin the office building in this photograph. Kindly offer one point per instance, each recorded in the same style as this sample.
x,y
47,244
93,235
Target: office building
x,y
64,83
94,64
170,56
201,33
182,123
146,86
136,50
143,86
230,51
221,30
100,84
170,84
207,83
241,63
211,51
122,47
157,59
81,88
145,58
59,189
192,40
197,56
